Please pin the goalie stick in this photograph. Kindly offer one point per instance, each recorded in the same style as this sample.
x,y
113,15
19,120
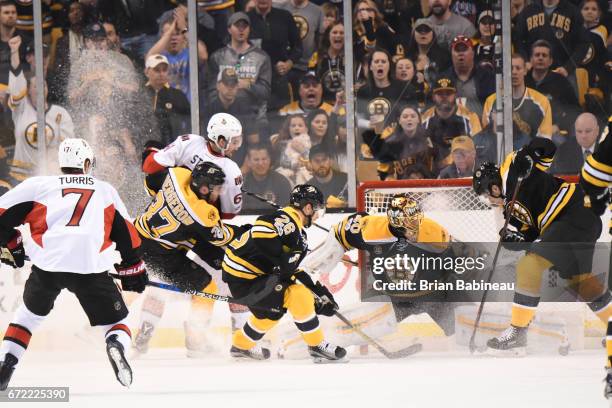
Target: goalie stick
x,y
472,344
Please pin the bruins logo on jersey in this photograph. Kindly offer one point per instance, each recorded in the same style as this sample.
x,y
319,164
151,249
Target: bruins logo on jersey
x,y
302,25
333,80
31,134
379,106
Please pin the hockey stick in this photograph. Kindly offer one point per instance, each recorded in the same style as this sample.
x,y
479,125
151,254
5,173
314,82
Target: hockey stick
x,y
494,264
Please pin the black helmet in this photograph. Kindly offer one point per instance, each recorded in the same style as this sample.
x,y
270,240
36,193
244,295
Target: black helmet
x,y
486,176
304,194
206,174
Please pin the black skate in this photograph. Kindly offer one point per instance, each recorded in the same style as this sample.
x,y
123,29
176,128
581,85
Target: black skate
x,y
116,355
7,367
254,353
512,342
608,381
141,342
326,352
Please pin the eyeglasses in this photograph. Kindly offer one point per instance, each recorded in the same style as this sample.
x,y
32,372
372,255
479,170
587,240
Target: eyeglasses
x,y
423,29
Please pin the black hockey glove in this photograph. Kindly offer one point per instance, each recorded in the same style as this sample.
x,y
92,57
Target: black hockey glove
x,y
13,253
325,304
523,162
511,239
133,276
151,147
598,203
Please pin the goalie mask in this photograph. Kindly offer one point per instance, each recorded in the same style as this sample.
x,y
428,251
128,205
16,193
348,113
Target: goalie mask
x,y
73,153
304,194
224,131
206,174
487,182
405,214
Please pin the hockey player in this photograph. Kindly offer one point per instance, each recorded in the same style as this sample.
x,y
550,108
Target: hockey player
x,y
74,220
272,250
182,234
550,216
596,179
224,135
406,222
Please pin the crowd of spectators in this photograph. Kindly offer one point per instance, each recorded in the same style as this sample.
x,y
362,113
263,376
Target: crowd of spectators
x,y
117,72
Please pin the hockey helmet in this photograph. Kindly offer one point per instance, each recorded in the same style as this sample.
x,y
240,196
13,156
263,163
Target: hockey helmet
x,y
73,153
206,174
304,194
485,177
224,130
404,213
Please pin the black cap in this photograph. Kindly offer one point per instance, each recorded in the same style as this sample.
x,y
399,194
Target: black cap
x,y
318,149
309,77
94,31
237,16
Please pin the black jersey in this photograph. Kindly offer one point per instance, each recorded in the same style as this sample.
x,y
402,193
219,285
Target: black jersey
x,y
276,242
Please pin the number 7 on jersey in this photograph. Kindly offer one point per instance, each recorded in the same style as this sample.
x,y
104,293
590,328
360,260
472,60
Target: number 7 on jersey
x,y
79,209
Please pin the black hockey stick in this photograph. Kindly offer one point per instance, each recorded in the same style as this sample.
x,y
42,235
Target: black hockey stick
x,y
494,264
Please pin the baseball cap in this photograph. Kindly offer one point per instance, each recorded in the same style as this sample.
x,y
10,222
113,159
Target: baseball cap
x,y
461,39
30,48
485,13
309,77
422,22
156,59
462,142
228,76
237,16
444,83
94,31
317,149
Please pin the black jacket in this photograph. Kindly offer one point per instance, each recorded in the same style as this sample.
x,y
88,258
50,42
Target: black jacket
x,y
278,34
171,109
569,158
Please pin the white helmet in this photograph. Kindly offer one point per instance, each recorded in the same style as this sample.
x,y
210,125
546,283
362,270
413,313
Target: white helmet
x,y
223,126
73,153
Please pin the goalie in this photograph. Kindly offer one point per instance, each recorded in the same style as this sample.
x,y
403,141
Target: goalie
x,y
405,222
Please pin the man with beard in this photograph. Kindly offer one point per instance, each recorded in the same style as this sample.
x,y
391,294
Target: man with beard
x,y
8,20
447,24
447,120
263,181
332,183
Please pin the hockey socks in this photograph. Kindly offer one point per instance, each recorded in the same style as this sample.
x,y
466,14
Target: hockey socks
x,y
19,332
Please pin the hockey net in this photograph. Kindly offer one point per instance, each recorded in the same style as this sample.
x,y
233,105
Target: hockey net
x,y
453,204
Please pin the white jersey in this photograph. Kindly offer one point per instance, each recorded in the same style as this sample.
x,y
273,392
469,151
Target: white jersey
x,y
58,127
188,151
74,220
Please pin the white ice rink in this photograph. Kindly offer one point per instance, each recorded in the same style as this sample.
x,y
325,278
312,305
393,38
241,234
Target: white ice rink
x,y
165,378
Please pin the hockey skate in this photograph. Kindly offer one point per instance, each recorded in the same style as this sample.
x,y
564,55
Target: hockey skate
x,y
7,367
326,352
512,342
196,342
116,355
141,342
254,353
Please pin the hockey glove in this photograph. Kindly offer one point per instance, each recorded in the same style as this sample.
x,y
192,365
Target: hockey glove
x,y
510,239
523,162
150,147
13,253
325,304
133,276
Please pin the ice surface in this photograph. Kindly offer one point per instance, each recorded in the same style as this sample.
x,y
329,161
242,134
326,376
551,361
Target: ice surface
x,y
165,378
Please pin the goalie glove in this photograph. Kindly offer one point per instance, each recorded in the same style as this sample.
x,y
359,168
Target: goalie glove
x,y
13,253
133,276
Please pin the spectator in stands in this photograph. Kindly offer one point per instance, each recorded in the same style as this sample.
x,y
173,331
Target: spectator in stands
x,y
321,127
555,87
169,105
225,99
429,58
483,40
330,15
516,6
380,98
274,29
251,63
293,144
173,45
22,98
599,74
309,20
371,32
447,120
571,155
25,20
531,110
328,61
114,44
8,22
332,183
474,83
466,8
406,71
447,24
136,23
463,153
400,148
400,15
310,97
559,23
338,145
263,181
485,142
